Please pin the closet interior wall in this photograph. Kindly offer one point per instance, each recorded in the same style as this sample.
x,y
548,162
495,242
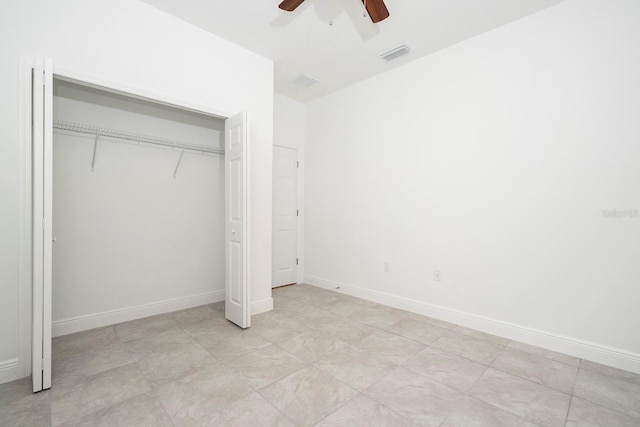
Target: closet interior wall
x,y
131,237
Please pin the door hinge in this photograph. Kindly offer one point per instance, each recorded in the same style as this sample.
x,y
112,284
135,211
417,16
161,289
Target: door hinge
x,y
297,164
297,212
296,261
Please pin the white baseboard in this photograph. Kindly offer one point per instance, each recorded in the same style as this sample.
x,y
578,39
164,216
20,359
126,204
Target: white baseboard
x,y
578,348
106,318
10,370
262,306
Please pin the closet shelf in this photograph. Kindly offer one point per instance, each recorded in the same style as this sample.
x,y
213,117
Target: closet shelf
x,y
112,133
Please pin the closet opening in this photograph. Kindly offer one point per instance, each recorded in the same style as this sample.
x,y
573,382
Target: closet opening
x,y
139,207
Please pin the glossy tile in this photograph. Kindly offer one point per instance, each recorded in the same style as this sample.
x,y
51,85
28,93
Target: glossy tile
x,y
141,328
95,393
266,365
471,412
143,410
538,369
360,301
82,364
17,388
392,347
343,307
308,395
611,372
533,402
380,317
355,367
312,345
250,411
195,399
93,340
393,310
284,305
435,322
218,306
159,341
318,299
469,347
446,368
608,391
313,317
364,412
346,329
407,394
196,315
493,339
295,291
20,407
588,414
275,327
211,327
163,367
309,361
229,342
558,357
167,357
421,331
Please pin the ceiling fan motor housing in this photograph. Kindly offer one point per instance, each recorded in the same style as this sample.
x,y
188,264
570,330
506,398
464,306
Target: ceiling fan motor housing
x,y
376,9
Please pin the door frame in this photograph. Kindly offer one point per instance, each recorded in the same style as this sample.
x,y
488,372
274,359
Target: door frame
x,y
298,217
28,64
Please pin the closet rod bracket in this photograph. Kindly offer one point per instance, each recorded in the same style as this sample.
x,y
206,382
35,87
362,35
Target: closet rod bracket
x,y
175,171
95,147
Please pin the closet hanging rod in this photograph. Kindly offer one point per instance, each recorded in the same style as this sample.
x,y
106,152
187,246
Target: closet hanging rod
x,y
112,133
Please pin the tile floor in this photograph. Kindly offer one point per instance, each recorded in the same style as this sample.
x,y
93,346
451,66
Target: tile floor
x,y
320,358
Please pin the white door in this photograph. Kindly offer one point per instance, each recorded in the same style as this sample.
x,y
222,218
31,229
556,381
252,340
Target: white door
x,y
237,308
285,216
42,145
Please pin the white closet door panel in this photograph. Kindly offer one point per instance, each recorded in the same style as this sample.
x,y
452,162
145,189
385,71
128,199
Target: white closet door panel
x,y
237,301
42,140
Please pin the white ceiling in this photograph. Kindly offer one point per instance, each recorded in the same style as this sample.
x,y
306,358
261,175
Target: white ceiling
x,y
331,40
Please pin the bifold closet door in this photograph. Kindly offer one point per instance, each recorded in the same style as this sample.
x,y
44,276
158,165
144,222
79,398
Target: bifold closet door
x,y
42,146
237,298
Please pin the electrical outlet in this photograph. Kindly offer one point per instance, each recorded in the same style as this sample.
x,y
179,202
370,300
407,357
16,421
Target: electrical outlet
x,y
386,267
436,276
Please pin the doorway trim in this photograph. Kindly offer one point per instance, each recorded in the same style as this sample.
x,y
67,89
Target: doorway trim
x,y
296,217
25,276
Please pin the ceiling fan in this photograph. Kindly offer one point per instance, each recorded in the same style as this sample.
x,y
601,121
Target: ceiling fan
x,y
375,8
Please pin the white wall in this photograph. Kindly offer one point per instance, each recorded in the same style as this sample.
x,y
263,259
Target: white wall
x,y
289,120
129,234
131,45
492,161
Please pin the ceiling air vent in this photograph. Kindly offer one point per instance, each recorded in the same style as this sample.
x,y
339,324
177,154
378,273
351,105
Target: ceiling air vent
x,y
395,53
304,81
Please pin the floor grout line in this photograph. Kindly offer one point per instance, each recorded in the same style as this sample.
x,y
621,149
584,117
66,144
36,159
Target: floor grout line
x,y
384,322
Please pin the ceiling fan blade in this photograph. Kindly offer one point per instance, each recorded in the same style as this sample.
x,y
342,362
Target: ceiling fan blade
x,y
290,5
376,9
